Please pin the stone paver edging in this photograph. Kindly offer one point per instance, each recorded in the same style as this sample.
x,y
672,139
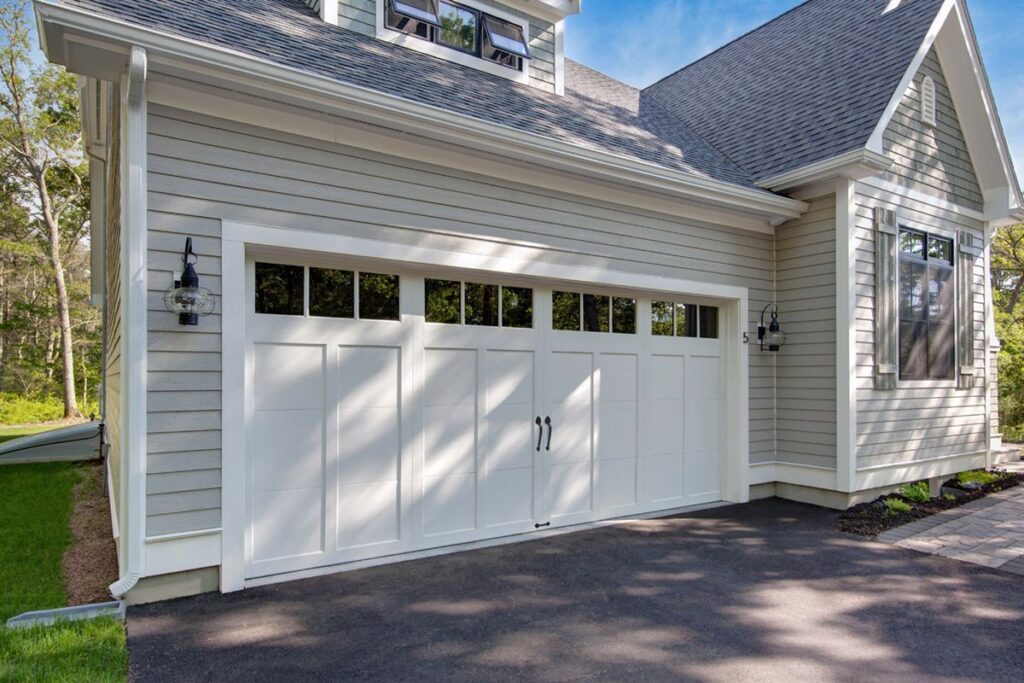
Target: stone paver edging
x,y
987,532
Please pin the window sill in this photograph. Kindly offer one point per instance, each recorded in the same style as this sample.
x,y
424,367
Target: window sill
x,y
453,55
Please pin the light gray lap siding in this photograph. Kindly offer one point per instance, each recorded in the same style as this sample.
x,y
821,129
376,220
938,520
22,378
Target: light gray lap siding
x,y
933,160
204,170
805,252
917,421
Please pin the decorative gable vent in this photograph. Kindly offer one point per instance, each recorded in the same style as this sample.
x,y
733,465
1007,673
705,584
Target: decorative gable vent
x,y
928,105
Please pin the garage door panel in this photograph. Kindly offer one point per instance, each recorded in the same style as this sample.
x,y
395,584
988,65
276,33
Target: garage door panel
x,y
666,378
703,378
618,430
449,440
509,379
449,504
704,475
450,378
665,429
368,376
369,444
665,478
508,497
571,433
618,377
511,438
291,376
289,450
286,524
368,514
570,378
704,425
570,488
616,484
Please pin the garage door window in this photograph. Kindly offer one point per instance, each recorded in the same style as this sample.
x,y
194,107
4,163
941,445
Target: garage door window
x,y
281,290
574,312
450,302
670,319
332,293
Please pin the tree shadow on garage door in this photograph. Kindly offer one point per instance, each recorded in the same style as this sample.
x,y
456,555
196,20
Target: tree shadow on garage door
x,y
764,590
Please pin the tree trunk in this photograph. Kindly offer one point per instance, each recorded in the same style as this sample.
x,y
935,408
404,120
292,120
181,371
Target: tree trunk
x,y
63,304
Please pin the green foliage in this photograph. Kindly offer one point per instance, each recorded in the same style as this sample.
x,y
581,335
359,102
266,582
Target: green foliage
x,y
9,433
92,651
895,506
35,509
977,477
1013,434
949,497
16,409
919,492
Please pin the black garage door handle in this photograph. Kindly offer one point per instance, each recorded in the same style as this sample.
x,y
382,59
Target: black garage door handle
x,y
547,421
540,432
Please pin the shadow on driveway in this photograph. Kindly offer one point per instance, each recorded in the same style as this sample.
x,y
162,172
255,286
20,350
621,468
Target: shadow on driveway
x,y
763,591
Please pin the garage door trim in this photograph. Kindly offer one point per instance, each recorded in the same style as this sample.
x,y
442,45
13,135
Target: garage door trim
x,y
514,260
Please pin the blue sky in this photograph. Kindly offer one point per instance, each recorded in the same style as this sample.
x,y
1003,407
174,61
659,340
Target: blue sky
x,y
639,41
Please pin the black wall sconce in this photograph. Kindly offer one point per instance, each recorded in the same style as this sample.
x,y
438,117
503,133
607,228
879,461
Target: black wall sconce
x,y
186,297
771,336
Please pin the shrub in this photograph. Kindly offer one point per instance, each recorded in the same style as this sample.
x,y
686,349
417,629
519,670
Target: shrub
x,y
1013,434
895,506
919,492
980,477
16,409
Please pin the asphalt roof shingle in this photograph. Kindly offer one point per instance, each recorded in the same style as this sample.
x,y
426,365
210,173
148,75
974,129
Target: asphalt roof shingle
x,y
808,86
287,32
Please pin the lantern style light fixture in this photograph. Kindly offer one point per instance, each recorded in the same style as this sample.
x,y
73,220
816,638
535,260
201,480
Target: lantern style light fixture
x,y
186,297
772,335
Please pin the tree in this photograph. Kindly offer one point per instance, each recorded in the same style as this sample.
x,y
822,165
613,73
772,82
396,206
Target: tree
x,y
41,143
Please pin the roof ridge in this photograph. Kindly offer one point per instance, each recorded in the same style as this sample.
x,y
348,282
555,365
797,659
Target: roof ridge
x,y
727,44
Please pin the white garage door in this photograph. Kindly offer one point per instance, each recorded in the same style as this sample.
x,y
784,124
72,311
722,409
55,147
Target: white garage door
x,y
391,412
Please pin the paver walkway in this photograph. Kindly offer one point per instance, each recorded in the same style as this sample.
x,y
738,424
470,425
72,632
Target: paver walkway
x,y
988,532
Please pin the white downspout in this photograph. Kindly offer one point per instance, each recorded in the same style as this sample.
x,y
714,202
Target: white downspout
x,y
133,306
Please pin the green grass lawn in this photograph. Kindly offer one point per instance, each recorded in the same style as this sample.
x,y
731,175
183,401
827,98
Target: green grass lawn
x,y
35,508
8,433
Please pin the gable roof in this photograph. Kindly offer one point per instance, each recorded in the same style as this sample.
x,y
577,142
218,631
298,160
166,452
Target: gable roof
x,y
288,33
807,86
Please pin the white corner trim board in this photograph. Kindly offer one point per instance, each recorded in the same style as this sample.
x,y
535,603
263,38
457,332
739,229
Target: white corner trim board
x,y
133,309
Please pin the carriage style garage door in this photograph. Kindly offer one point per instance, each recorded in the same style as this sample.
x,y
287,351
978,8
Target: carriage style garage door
x,y
391,412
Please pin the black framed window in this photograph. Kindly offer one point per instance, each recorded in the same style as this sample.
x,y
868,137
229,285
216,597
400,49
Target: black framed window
x,y
575,312
460,28
926,306
282,289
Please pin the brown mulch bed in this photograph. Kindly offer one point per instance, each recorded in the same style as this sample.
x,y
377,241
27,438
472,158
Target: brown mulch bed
x,y
90,562
871,519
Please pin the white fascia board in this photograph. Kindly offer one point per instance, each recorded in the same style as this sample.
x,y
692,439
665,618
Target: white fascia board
x,y
550,10
855,165
430,122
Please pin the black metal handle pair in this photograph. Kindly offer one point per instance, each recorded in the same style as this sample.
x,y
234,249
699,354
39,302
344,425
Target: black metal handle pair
x,y
540,431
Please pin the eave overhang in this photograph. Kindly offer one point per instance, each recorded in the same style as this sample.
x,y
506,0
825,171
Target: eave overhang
x,y
98,46
855,165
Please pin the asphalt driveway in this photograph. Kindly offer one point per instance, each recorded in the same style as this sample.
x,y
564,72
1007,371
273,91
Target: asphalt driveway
x,y
765,591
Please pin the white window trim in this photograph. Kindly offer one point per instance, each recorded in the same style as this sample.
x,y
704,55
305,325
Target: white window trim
x,y
901,383
453,55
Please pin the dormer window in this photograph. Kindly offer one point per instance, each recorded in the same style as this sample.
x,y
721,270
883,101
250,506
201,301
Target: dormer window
x,y
504,42
461,27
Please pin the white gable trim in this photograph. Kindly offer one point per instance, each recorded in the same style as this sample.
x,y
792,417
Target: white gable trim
x,y
952,36
875,141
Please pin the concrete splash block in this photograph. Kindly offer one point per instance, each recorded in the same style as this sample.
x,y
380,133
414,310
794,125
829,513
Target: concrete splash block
x,y
80,613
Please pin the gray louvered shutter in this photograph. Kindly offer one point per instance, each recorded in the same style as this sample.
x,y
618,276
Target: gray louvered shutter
x,y
887,358
968,253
